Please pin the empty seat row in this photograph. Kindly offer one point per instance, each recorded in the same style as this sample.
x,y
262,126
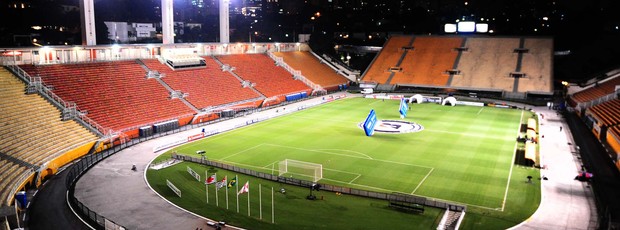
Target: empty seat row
x,y
597,91
311,68
206,87
116,95
31,131
270,79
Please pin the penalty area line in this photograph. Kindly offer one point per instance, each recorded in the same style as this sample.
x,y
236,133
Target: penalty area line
x,y
358,176
429,197
480,111
275,162
423,179
242,151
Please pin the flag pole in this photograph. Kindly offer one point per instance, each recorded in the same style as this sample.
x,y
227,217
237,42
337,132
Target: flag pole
x,y
216,199
272,212
248,201
260,202
207,185
237,188
226,195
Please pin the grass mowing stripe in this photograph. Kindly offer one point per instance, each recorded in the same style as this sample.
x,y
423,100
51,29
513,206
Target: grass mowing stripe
x,y
463,155
240,152
512,165
320,151
416,188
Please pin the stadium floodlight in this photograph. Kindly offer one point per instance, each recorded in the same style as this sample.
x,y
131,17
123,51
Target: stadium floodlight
x,y
482,27
466,26
306,170
449,28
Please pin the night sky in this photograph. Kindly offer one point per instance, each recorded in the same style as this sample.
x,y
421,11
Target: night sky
x,y
590,30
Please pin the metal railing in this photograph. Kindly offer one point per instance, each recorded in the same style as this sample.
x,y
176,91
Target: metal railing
x,y
44,91
296,73
430,202
77,170
85,163
14,187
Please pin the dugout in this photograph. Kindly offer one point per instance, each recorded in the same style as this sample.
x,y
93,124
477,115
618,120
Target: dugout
x,y
406,202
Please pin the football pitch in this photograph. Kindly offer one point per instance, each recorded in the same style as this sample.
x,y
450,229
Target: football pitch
x,y
461,154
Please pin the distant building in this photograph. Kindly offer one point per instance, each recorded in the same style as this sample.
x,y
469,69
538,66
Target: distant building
x,y
123,32
144,30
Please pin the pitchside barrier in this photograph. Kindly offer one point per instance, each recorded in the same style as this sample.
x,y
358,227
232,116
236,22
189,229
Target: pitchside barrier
x,y
399,197
82,165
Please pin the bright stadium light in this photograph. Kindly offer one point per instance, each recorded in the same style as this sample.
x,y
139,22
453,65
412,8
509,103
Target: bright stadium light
x,y
449,28
466,26
482,27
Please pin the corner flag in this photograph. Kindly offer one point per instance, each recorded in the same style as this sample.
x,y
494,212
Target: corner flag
x,y
403,108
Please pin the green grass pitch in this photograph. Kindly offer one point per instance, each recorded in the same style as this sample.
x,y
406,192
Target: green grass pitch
x,y
464,154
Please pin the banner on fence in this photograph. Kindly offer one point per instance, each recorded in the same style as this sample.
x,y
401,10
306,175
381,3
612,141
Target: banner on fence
x,y
170,144
193,173
173,188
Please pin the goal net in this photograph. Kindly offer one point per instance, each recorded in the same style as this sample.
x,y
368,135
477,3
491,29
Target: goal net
x,y
300,169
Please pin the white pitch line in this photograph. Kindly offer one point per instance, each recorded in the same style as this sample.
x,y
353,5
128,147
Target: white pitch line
x,y
271,164
428,197
236,163
391,191
512,163
358,176
423,179
367,157
242,151
345,150
480,111
469,134
312,150
323,119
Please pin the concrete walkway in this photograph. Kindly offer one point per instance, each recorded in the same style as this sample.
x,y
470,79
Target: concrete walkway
x,y
111,189
566,203
116,192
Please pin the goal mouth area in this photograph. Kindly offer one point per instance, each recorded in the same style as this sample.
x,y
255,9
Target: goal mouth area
x,y
300,170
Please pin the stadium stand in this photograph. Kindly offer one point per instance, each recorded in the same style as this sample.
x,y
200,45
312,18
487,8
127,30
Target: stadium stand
x,y
536,64
427,63
613,140
260,69
114,94
31,133
185,61
206,87
607,113
597,91
391,53
487,64
605,119
313,69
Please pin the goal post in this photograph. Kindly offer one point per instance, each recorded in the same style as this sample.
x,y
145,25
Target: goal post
x,y
300,169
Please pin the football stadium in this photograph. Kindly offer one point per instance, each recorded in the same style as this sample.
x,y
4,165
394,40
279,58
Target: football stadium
x,y
452,131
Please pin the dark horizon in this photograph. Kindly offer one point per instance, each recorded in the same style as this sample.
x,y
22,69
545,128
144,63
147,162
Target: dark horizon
x,y
589,31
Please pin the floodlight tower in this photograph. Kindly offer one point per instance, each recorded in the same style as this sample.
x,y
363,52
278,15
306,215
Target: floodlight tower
x,y
87,21
167,21
224,22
